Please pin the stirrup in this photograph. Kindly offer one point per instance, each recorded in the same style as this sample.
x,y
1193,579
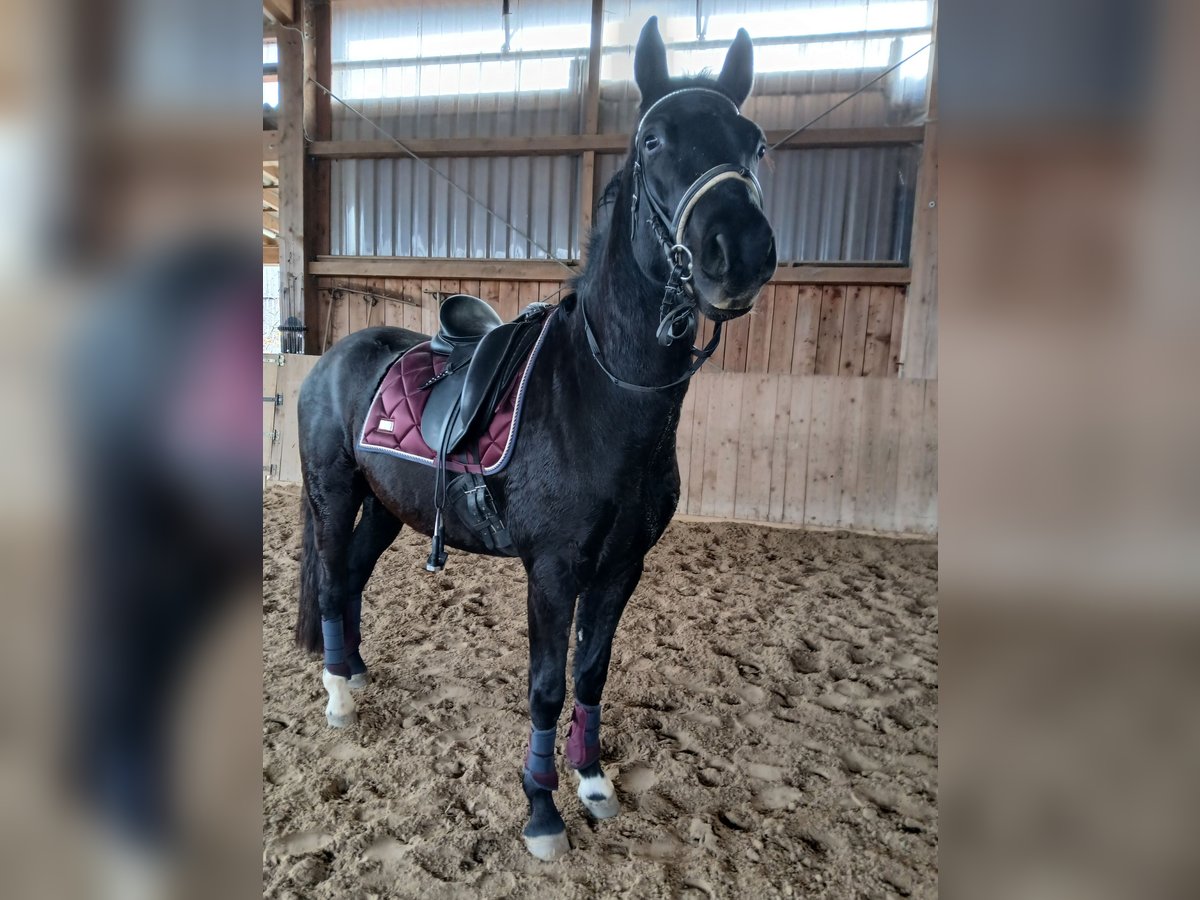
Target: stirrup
x,y
437,553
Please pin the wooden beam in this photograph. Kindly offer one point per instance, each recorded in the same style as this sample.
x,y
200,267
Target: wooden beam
x,y
270,140
291,173
270,221
548,270
271,198
597,143
281,11
591,123
270,254
819,274
470,269
318,124
918,341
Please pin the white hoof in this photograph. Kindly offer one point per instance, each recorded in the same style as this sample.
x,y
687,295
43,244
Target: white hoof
x,y
599,796
548,847
342,721
340,711
360,681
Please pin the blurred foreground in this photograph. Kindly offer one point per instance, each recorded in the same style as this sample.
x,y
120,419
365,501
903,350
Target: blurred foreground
x,y
1070,496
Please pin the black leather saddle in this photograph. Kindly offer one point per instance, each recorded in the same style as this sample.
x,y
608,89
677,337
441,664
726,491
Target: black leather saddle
x,y
485,354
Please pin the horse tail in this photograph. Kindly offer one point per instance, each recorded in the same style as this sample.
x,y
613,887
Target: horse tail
x,y
308,617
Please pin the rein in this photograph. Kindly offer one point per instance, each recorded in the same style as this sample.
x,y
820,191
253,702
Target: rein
x,y
677,314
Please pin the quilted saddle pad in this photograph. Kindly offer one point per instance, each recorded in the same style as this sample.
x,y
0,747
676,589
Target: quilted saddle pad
x,y
393,423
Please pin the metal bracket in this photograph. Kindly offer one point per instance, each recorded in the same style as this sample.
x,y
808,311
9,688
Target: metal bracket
x,y
273,435
277,400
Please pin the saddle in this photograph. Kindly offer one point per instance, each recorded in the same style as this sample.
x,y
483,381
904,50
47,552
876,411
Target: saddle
x,y
484,354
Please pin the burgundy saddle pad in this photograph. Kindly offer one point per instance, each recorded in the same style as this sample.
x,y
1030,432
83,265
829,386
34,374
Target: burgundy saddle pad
x,y
393,423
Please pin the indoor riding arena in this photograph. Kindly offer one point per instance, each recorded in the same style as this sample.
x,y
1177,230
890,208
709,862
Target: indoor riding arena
x,y
770,712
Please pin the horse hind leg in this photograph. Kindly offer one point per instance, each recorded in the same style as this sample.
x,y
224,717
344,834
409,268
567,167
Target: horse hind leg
x,y
375,532
333,497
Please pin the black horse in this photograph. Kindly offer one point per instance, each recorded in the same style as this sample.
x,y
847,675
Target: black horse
x,y
593,480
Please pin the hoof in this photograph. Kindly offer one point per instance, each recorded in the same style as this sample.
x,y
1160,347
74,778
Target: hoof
x,y
343,721
599,797
603,807
548,847
360,681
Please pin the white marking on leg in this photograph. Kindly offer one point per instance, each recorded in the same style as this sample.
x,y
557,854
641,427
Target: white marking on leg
x,y
598,795
580,632
340,710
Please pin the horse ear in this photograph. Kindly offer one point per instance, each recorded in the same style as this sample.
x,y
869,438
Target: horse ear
x,y
650,64
737,75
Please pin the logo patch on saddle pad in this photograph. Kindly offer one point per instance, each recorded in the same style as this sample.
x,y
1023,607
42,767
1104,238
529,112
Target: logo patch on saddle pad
x,y
393,423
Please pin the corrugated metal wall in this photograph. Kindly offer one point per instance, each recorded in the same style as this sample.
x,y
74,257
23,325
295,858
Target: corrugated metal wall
x,y
828,205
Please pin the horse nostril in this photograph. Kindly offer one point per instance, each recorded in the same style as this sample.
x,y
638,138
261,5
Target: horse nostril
x,y
716,256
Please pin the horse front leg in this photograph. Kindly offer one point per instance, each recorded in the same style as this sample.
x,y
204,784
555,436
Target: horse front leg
x,y
552,593
600,608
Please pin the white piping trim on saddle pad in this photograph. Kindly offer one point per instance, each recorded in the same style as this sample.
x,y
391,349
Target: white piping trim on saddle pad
x,y
509,442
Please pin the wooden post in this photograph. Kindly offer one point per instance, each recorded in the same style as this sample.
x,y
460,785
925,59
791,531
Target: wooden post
x,y
291,173
318,124
918,350
591,124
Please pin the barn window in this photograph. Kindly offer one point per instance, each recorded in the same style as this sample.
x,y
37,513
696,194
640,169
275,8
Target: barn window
x,y
459,70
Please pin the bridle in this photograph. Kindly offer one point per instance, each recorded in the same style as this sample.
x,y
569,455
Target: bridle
x,y
677,315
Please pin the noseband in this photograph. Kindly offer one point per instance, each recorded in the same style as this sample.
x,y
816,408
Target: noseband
x,y
677,315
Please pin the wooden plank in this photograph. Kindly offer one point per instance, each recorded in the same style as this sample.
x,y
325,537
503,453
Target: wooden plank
x,y
270,146
879,330
490,291
270,386
357,309
548,270
822,502
783,329
683,446
721,446
431,299
270,254
291,375
552,145
527,292
758,348
879,456
912,468
808,321
929,469
849,423
755,447
470,286
829,337
796,459
854,331
700,389
736,340
897,336
807,274
508,298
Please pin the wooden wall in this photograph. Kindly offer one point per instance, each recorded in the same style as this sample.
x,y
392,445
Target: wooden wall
x,y
833,329
818,450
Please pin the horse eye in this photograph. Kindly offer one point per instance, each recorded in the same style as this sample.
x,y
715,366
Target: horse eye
x,y
651,142
762,150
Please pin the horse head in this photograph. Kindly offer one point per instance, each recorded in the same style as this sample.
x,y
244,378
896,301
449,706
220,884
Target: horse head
x,y
697,205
